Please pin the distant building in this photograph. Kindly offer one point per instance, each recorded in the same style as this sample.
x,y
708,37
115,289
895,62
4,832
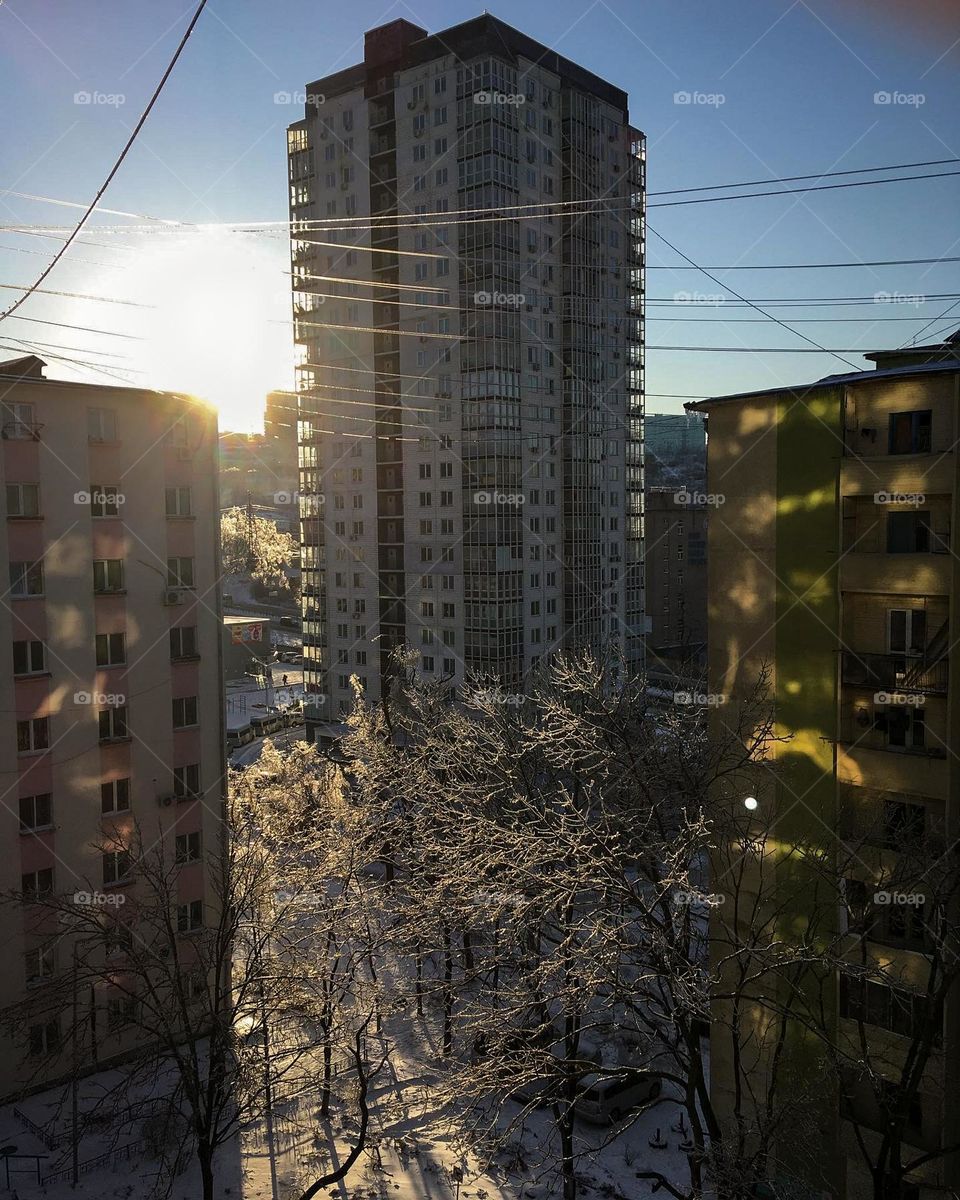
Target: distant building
x,y
262,467
675,449
245,640
676,570
111,683
911,356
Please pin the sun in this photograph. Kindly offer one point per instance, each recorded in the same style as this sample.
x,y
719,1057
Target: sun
x,y
219,327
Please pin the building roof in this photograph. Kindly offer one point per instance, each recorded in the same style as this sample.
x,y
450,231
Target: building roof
x,y
927,368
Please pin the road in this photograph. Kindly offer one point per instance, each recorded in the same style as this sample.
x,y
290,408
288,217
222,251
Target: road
x,y
245,755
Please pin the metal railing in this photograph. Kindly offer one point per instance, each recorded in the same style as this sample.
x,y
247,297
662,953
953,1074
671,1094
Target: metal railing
x,y
895,673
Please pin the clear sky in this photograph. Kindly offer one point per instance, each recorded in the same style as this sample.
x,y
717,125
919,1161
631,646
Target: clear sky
x,y
783,87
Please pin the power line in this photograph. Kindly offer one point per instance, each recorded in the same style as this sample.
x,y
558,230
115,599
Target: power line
x,y
113,170
14,287
933,321
716,187
822,266
825,187
782,324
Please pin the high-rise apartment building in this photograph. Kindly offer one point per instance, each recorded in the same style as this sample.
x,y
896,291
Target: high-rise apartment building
x,y
467,260
111,684
832,563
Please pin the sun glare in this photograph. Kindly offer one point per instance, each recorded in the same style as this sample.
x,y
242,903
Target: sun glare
x,y
220,326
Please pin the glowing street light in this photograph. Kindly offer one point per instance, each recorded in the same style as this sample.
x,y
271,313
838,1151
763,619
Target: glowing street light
x,y
750,802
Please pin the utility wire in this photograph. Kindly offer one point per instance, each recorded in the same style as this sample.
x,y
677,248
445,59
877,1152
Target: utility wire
x,y
716,187
113,170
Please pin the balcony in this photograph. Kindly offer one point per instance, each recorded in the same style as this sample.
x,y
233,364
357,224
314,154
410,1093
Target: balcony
x,y
895,673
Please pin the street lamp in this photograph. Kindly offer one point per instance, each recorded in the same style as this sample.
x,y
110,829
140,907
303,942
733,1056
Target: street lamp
x,y
750,803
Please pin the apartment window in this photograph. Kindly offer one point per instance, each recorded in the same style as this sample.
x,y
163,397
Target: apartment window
x,y
185,712
29,658
906,630
909,432
113,723
177,501
440,115
111,649
186,780
18,421
188,847
440,178
104,500
101,424
121,1011
38,964
439,146
446,499
449,666
908,532
426,663
23,500
36,885
33,735
115,796
180,572
439,85
44,1039
116,867
426,499
108,575
36,812
26,579
190,916
904,823
449,611
895,1009
904,728
183,642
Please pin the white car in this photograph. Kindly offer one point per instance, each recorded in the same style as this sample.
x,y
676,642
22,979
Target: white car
x,y
605,1100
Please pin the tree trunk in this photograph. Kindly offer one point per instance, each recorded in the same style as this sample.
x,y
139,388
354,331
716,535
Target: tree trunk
x,y
205,1158
447,993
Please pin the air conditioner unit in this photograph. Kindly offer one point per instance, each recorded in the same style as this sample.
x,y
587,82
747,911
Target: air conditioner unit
x,y
166,799
172,596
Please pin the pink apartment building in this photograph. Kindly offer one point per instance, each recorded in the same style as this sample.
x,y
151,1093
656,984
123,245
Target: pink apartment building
x,y
110,682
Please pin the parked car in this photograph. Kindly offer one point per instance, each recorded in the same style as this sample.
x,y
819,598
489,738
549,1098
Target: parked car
x,y
606,1100
290,622
268,723
239,737
294,716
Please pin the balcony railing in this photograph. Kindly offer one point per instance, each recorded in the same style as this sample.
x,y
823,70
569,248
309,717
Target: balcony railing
x,y
895,673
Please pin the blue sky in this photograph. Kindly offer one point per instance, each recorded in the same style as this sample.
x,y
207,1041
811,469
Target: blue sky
x,y
795,84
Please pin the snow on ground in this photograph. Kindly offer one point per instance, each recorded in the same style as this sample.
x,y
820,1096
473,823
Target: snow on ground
x,y
412,1153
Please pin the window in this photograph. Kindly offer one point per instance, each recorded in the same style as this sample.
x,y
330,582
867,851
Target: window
x,y
44,1039
26,579
906,630
115,796
180,572
36,885
23,500
904,823
183,642
876,1003
121,1011
33,735
113,723
116,867
186,780
104,500
177,501
18,421
909,532
29,658
38,964
190,916
108,575
185,712
188,847
101,424
904,727
111,649
36,812
426,663
909,432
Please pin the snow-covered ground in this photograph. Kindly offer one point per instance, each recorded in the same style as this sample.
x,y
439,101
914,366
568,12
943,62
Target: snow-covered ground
x,y
412,1155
